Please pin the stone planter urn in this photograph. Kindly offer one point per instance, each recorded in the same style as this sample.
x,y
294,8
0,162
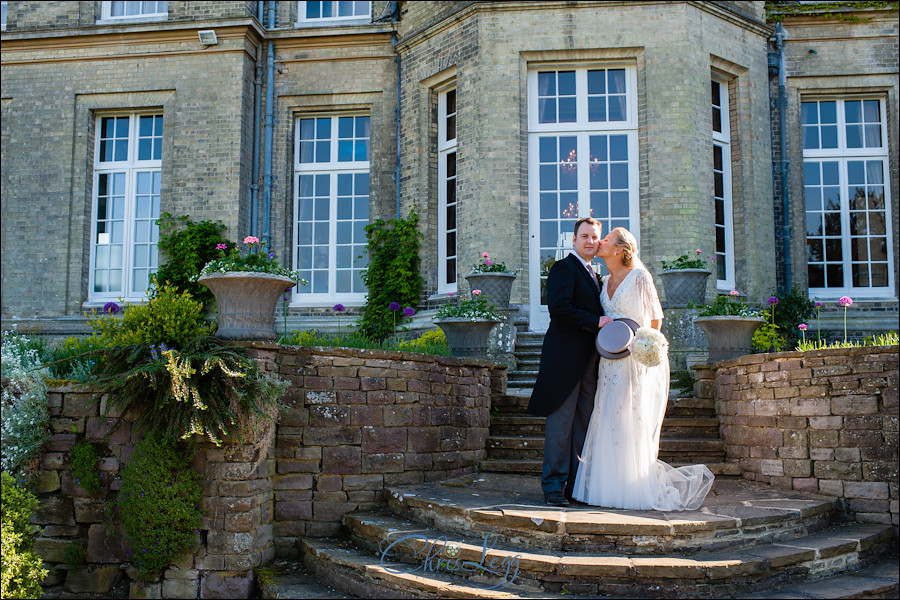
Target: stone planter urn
x,y
246,302
465,337
684,286
496,286
728,336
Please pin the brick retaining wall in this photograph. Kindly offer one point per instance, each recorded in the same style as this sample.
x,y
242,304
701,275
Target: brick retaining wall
x,y
822,421
356,421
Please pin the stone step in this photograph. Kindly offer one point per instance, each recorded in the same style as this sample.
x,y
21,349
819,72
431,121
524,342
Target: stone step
x,y
364,575
737,513
876,581
288,579
524,425
529,466
517,397
396,539
532,447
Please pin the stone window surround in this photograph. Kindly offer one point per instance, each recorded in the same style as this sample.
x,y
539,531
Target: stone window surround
x,y
87,108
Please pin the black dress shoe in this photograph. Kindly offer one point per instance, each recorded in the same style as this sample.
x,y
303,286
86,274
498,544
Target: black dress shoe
x,y
556,499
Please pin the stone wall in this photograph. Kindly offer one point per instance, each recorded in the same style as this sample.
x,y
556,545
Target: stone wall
x,y
360,420
822,421
236,533
356,421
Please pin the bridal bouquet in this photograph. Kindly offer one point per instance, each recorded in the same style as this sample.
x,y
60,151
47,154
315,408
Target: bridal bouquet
x,y
649,346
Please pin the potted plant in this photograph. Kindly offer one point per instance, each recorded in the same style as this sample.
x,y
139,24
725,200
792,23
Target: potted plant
x,y
493,279
247,283
685,280
467,324
729,325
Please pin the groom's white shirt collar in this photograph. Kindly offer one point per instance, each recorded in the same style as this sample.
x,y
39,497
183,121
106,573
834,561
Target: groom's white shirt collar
x,y
583,262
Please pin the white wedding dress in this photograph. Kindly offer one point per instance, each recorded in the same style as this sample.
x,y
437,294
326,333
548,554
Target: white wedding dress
x,y
619,466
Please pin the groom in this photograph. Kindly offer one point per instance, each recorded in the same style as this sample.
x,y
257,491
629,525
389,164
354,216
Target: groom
x,y
567,380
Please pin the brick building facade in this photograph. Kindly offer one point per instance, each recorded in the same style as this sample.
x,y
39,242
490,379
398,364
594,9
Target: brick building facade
x,y
514,119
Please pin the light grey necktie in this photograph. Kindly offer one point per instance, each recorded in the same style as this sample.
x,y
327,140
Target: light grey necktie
x,y
593,275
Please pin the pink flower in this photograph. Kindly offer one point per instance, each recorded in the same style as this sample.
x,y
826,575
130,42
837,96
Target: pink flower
x,y
733,293
698,251
488,263
451,294
802,326
221,246
250,240
485,254
476,292
846,301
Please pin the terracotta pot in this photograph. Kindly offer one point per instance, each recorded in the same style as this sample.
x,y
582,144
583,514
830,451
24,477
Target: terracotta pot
x,y
246,303
684,286
729,337
466,338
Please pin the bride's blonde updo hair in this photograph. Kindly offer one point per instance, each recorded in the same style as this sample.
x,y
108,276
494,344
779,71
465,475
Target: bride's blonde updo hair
x,y
627,244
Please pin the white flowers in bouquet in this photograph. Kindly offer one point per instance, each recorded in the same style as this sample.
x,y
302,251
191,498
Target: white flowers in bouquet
x,y
649,346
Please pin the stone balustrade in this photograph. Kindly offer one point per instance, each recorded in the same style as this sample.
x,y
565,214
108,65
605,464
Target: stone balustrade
x,y
823,421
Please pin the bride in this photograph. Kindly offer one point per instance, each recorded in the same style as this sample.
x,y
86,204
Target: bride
x,y
619,466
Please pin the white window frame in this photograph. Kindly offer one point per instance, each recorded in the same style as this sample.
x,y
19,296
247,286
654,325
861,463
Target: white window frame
x,y
303,21
445,148
130,167
582,129
106,15
843,155
723,140
3,10
332,168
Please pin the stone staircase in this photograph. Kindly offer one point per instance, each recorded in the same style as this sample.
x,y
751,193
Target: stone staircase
x,y
491,536
690,432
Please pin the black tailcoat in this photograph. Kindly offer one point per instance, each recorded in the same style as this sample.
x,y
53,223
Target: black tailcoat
x,y
575,310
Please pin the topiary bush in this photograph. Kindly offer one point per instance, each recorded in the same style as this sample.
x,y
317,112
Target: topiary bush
x,y
22,568
187,246
393,273
159,503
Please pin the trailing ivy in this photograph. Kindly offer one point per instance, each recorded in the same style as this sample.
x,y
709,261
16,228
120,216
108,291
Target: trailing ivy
x,y
159,503
187,246
393,273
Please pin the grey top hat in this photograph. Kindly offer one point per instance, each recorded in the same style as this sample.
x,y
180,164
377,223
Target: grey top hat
x,y
614,338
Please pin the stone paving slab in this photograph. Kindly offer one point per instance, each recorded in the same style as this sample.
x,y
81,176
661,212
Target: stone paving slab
x,y
877,581
735,512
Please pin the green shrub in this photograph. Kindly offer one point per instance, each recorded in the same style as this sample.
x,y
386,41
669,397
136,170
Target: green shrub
x,y
159,503
792,309
83,456
891,338
392,275
169,317
75,358
24,411
683,382
22,568
187,246
431,342
768,339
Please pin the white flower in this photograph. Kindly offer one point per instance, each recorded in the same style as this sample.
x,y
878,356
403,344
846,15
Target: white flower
x,y
649,346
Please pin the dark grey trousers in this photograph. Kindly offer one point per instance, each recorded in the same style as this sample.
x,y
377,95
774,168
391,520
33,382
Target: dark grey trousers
x,y
564,433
